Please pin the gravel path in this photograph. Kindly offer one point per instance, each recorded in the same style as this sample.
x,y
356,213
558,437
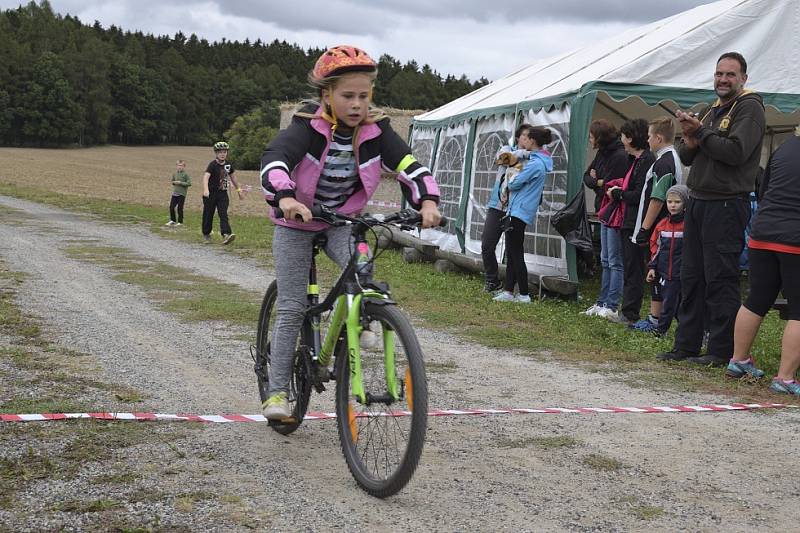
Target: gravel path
x,y
699,472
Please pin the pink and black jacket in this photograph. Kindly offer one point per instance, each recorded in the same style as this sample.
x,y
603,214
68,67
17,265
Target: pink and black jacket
x,y
293,161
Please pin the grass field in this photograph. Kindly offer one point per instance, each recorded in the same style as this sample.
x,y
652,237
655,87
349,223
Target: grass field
x,y
131,184
132,174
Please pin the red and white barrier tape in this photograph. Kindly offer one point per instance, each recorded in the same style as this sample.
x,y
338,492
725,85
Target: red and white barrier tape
x,y
439,412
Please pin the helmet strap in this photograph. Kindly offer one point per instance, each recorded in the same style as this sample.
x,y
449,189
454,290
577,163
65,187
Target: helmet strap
x,y
328,112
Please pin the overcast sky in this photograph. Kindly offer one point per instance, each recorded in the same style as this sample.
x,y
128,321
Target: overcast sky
x,y
472,37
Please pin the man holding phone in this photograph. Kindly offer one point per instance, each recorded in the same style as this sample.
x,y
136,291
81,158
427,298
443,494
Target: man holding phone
x,y
723,147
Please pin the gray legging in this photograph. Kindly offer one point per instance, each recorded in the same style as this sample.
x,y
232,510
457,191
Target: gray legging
x,y
291,251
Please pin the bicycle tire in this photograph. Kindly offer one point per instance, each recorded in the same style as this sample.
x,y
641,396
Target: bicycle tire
x,y
378,469
299,383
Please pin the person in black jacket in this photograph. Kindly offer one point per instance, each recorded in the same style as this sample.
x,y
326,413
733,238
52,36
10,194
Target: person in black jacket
x,y
774,266
633,135
723,148
610,162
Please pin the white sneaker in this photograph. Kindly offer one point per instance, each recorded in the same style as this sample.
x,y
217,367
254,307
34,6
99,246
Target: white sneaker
x,y
227,239
505,296
276,407
523,299
179,224
607,313
592,310
170,223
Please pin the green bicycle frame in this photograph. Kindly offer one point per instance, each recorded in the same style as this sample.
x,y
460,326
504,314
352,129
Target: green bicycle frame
x,y
347,312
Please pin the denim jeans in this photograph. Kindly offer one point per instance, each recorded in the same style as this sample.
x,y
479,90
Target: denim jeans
x,y
611,260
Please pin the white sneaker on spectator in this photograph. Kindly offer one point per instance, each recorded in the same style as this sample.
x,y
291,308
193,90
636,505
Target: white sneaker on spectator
x,y
505,296
609,314
523,299
170,223
592,310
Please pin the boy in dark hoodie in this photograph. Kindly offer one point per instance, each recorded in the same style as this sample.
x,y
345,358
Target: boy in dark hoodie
x,y
666,245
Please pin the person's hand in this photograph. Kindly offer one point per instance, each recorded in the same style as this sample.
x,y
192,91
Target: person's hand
x,y
688,122
614,193
643,237
593,174
292,209
651,275
241,194
205,193
431,217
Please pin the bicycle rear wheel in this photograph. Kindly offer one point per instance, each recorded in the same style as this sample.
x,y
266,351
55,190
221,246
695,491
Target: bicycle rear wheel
x,y
382,443
299,383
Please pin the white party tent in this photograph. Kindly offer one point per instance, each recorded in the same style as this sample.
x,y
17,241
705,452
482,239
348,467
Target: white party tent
x,y
643,73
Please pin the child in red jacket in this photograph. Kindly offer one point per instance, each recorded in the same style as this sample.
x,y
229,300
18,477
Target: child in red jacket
x,y
666,243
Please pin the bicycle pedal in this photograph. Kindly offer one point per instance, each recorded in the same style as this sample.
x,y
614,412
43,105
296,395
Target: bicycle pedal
x,y
322,374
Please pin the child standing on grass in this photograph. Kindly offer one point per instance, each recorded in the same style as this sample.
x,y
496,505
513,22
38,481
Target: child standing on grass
x,y
331,154
663,174
215,193
180,183
666,245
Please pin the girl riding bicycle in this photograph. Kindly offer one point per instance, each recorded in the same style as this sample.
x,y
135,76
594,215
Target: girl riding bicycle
x,y
331,154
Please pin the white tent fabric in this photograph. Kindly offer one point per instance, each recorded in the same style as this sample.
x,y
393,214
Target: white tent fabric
x,y
673,52
632,75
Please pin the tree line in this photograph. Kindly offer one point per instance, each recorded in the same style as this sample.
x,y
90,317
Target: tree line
x,y
63,82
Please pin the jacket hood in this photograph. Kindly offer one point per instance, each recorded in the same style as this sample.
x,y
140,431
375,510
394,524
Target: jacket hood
x,y
546,158
613,146
747,94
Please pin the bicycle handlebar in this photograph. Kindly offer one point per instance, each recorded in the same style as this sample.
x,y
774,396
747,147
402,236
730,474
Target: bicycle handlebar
x,y
405,217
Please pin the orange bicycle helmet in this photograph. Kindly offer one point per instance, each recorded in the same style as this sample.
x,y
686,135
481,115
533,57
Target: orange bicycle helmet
x,y
341,59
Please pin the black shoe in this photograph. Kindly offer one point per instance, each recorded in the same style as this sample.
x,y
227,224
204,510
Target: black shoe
x,y
676,355
492,286
709,360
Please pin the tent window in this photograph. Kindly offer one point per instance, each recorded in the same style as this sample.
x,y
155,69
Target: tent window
x,y
449,176
484,177
423,151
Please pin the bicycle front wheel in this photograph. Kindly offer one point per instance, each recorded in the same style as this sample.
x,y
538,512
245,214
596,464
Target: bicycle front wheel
x,y
382,440
300,382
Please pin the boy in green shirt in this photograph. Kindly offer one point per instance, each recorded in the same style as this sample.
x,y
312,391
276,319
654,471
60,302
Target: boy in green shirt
x,y
180,183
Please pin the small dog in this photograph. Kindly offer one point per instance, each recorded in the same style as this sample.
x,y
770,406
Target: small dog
x,y
507,159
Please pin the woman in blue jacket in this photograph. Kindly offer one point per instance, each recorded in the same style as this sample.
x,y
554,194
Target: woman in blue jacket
x,y
525,191
496,210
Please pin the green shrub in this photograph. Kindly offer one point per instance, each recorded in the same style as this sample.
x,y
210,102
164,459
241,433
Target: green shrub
x,y
250,134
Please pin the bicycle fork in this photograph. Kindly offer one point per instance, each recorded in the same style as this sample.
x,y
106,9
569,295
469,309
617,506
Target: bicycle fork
x,y
347,313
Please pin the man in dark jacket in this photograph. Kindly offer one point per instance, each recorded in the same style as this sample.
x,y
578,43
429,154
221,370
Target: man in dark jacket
x,y
724,150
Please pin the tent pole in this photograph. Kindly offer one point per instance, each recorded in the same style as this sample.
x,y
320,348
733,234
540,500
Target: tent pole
x,y
581,110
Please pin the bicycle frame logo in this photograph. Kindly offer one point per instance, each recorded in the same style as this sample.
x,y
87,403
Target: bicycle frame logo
x,y
348,311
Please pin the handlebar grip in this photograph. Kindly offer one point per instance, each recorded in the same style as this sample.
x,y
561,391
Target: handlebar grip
x,y
278,212
316,211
